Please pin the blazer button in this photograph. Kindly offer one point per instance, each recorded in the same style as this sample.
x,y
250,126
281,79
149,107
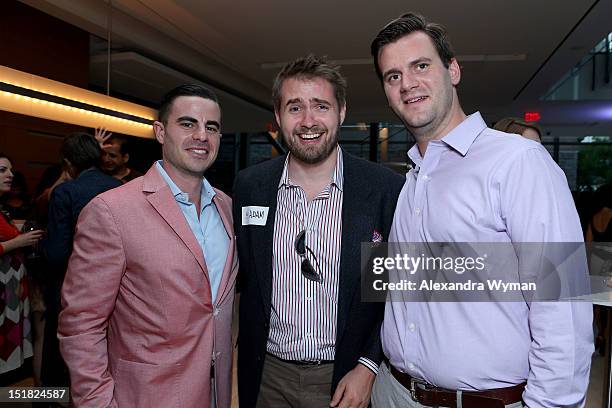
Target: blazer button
x,y
216,311
258,358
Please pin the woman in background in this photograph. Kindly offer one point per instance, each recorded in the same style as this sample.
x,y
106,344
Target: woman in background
x,y
15,343
520,127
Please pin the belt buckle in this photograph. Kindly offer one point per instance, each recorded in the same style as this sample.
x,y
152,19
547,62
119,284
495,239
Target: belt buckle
x,y
414,382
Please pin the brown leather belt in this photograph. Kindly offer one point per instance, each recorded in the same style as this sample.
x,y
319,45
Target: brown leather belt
x,y
428,395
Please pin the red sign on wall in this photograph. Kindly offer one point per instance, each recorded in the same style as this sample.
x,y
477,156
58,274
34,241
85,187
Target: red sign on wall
x,y
532,116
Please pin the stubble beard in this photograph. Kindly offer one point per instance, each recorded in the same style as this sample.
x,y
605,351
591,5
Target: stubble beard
x,y
311,154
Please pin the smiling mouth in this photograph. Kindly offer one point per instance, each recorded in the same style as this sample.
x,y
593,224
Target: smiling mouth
x,y
415,100
199,152
310,136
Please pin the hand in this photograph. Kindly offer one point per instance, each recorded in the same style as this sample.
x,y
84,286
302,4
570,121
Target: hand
x,y
102,135
354,389
28,238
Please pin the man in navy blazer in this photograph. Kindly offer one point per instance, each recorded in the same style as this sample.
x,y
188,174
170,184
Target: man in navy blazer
x,y
305,336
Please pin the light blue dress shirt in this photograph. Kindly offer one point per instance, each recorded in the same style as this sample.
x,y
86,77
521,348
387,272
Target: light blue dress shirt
x,y
208,228
480,185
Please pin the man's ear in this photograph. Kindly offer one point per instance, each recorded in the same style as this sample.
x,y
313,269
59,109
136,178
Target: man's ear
x,y
455,72
342,114
277,116
160,131
126,157
69,168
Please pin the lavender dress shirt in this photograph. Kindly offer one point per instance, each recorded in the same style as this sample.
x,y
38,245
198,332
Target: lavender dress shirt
x,y
480,185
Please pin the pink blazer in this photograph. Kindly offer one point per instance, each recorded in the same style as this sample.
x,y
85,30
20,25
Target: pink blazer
x,y
138,326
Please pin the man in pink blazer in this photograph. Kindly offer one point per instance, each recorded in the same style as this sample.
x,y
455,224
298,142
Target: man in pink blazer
x,y
147,299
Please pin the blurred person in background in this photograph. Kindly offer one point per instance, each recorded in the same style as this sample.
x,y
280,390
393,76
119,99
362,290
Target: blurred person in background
x,y
115,156
599,230
17,202
520,127
15,337
81,155
38,268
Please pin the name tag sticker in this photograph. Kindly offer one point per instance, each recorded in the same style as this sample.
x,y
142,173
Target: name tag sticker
x,y
254,215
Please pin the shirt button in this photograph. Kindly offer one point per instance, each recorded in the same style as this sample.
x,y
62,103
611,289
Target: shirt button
x,y
426,177
309,298
418,211
308,334
411,327
411,366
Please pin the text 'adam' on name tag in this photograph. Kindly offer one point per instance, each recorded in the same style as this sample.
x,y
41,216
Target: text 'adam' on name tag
x,y
254,215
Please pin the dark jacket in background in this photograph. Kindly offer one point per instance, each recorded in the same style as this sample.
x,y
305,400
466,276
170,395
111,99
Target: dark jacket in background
x,y
66,202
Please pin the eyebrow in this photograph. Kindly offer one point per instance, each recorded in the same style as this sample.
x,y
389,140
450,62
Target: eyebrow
x,y
194,120
417,61
317,100
213,123
420,61
294,100
298,100
391,71
187,118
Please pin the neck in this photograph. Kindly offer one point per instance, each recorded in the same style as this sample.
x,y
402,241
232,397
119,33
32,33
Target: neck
x,y
121,173
188,183
424,135
312,176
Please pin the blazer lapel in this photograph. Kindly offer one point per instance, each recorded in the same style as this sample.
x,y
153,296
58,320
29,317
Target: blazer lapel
x,y
357,227
263,237
229,268
163,201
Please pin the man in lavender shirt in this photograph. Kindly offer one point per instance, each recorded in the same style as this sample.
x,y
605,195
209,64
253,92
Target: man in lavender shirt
x,y
473,184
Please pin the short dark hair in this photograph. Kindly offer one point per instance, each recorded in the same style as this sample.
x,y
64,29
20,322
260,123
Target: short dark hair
x,y
124,145
183,90
407,24
81,150
309,67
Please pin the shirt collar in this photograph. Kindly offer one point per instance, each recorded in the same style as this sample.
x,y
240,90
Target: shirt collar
x,y
206,196
337,178
460,138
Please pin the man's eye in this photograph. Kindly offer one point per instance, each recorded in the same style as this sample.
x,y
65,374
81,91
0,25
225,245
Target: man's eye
x,y
393,78
212,129
422,66
323,107
294,109
187,125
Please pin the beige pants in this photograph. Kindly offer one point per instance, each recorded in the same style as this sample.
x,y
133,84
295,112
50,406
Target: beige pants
x,y
289,385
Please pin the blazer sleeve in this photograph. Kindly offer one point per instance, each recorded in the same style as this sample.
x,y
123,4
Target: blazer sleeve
x,y
90,288
373,347
58,242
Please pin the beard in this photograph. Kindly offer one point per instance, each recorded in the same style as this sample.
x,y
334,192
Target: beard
x,y
312,154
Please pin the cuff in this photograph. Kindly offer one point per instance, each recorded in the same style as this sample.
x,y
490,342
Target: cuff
x,y
369,364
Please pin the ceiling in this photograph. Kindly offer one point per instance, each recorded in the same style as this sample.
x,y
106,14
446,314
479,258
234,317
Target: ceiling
x,y
231,45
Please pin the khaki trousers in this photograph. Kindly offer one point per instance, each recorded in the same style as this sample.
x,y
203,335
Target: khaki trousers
x,y
285,385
